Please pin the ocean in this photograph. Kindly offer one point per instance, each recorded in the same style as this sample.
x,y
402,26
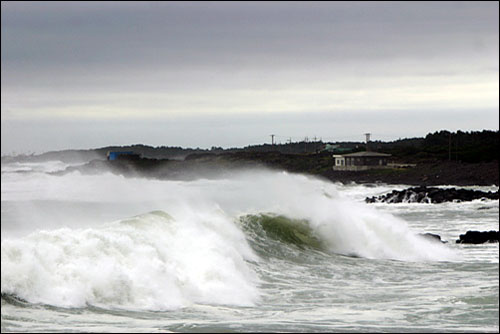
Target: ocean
x,y
253,251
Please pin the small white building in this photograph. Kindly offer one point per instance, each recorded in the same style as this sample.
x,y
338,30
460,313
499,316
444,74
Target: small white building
x,y
339,160
360,161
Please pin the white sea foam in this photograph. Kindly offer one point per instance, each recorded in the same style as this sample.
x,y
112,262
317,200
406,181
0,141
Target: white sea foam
x,y
350,227
200,256
146,262
41,167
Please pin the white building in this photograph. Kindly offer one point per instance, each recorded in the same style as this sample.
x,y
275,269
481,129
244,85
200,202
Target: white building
x,y
360,161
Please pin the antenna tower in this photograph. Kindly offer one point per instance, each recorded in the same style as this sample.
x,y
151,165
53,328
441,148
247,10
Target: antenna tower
x,y
367,140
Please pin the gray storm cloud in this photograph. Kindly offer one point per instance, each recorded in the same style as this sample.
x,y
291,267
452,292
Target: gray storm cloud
x,y
64,61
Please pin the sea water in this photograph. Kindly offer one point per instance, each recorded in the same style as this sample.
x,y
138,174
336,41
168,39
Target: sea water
x,y
257,250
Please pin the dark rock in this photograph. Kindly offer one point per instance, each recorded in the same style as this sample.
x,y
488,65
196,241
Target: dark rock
x,y
432,236
425,194
478,237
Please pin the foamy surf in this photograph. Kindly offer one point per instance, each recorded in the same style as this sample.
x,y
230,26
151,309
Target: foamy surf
x,y
151,261
196,249
255,250
347,226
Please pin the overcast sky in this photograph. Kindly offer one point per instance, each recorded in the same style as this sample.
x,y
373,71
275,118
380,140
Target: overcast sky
x,y
203,74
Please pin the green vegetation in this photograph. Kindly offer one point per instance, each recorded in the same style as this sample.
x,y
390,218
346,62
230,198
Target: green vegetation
x,y
461,146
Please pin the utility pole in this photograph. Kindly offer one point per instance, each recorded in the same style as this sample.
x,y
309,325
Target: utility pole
x,y
272,139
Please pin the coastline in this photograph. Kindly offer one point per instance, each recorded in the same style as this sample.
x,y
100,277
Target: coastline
x,y
432,173
427,174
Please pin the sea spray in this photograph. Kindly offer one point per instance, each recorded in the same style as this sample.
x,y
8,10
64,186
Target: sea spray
x,y
346,226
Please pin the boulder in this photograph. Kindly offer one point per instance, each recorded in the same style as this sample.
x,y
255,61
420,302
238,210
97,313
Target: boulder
x,y
432,237
478,237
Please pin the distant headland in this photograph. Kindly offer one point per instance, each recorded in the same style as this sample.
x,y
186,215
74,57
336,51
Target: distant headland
x,y
440,158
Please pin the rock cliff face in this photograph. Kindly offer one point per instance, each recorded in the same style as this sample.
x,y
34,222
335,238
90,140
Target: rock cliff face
x,y
431,195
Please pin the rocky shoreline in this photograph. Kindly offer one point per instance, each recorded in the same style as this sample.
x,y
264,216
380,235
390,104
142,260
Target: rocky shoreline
x,y
470,237
425,194
478,237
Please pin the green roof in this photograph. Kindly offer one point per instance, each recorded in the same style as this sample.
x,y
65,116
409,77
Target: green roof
x,y
367,154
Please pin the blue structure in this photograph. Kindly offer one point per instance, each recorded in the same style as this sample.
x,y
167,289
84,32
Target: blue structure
x,y
125,154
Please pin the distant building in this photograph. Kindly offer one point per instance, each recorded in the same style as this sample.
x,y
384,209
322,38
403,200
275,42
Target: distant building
x,y
336,148
122,155
360,161
330,147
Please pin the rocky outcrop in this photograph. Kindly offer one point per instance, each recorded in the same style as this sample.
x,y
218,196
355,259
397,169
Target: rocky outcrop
x,y
425,194
478,237
432,237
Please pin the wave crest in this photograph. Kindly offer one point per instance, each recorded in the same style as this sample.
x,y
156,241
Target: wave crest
x,y
151,261
290,231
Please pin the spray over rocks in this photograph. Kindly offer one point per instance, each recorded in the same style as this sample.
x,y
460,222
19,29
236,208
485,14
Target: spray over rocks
x,y
425,194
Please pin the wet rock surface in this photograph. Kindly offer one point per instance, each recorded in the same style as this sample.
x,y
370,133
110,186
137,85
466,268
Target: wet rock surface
x,y
425,194
432,237
478,237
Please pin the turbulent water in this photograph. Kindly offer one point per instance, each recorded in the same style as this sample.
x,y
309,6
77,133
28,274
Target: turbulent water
x,y
256,251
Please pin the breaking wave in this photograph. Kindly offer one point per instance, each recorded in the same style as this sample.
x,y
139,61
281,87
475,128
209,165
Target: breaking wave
x,y
151,261
279,231
203,247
